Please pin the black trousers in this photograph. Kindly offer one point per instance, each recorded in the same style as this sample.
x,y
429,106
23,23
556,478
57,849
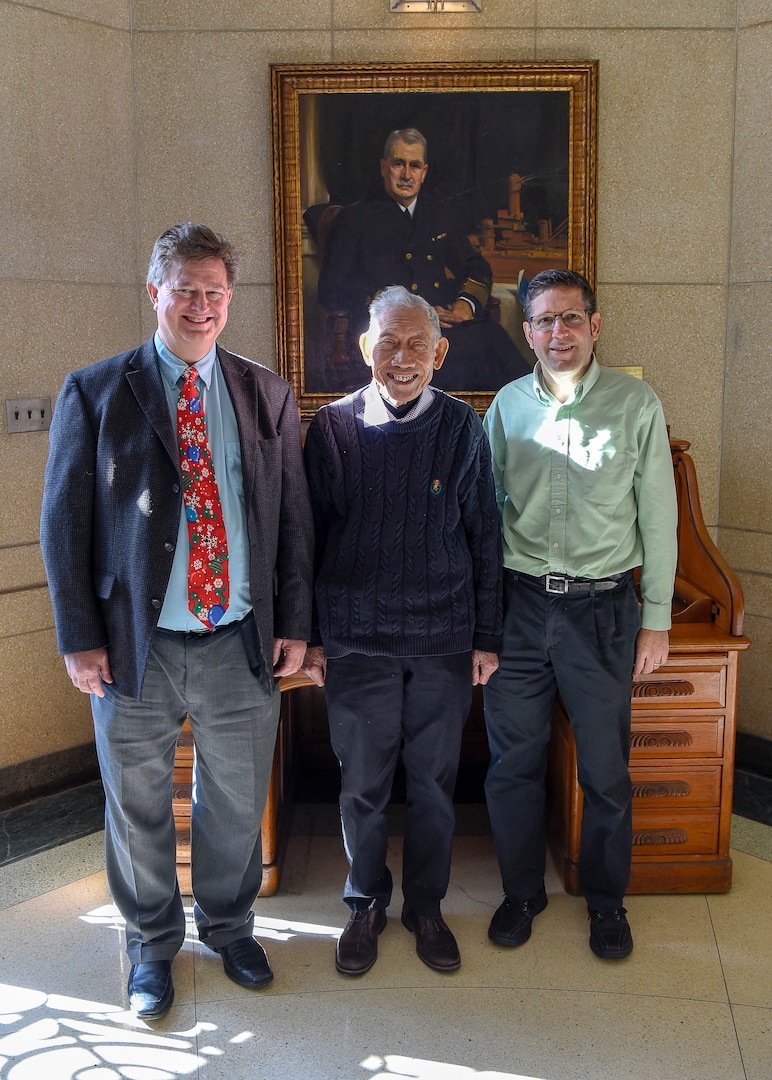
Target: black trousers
x,y
379,708
583,647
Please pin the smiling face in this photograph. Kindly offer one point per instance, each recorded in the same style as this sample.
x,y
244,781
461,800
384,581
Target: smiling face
x,y
403,352
192,307
565,353
404,171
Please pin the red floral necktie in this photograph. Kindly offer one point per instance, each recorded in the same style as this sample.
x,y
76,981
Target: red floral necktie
x,y
208,544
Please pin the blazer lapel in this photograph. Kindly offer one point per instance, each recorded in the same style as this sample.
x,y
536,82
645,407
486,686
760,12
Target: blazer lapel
x,y
148,388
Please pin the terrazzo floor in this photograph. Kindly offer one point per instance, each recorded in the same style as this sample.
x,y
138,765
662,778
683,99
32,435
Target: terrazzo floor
x,y
692,1002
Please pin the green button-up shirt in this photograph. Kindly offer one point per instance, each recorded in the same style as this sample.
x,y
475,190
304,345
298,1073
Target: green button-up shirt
x,y
585,488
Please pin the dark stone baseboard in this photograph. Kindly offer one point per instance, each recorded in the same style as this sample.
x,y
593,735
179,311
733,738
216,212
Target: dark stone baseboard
x,y
753,778
46,823
47,775
753,754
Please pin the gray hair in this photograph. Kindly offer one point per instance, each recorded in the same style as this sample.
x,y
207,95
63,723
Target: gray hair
x,y
411,136
558,279
396,297
189,242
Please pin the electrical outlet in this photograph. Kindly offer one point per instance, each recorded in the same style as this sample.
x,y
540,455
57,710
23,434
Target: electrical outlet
x,y
28,414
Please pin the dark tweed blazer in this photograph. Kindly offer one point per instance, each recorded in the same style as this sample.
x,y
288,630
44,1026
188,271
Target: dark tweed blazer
x,y
113,498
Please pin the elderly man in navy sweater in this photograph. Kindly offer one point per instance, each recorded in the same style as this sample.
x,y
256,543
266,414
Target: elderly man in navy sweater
x,y
408,614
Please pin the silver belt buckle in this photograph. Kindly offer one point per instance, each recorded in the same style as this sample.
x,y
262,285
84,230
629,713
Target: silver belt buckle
x,y
556,584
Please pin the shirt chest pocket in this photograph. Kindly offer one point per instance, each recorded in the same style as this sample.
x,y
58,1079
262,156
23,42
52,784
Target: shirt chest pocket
x,y
607,478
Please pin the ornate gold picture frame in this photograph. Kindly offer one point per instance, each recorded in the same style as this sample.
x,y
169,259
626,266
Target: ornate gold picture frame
x,y
511,153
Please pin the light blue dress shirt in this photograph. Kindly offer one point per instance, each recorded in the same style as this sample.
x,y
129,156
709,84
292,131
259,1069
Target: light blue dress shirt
x,y
223,433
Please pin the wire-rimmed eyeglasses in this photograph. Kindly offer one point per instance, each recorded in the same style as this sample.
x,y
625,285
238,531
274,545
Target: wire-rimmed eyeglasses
x,y
571,320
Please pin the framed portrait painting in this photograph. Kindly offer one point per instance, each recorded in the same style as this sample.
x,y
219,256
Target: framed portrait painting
x,y
510,150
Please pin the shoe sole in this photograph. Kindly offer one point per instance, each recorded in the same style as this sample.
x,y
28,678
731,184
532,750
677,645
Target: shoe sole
x,y
510,942
249,985
611,954
447,967
359,971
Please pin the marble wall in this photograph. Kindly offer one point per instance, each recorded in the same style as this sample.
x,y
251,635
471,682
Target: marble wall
x,y
745,492
124,116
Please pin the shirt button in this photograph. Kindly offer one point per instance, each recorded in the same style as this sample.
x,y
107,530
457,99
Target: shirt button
x,y
554,545
557,509
175,488
559,476
428,258
414,287
168,547
155,603
408,254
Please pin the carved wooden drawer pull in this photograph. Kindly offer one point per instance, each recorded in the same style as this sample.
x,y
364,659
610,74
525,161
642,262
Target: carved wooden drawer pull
x,y
656,789
655,739
647,837
672,688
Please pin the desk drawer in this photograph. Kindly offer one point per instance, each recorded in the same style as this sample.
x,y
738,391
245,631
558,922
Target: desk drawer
x,y
676,737
685,684
678,786
663,832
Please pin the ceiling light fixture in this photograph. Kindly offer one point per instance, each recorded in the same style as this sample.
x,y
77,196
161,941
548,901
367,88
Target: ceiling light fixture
x,y
435,5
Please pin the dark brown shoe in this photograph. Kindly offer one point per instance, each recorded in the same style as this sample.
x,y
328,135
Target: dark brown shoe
x,y
357,948
434,941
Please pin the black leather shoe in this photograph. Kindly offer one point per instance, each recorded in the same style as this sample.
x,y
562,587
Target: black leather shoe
x,y
245,962
511,922
434,941
610,936
151,992
357,948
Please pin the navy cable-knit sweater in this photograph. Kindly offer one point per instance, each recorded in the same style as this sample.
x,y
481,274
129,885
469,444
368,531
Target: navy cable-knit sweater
x,y
408,549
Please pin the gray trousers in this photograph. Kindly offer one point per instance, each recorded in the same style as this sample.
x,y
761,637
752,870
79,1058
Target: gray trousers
x,y
234,721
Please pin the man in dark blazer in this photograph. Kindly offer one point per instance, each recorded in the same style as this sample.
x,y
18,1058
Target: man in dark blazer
x,y
405,237
115,539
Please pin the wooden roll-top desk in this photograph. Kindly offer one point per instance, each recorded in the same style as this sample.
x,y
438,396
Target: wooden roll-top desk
x,y
682,747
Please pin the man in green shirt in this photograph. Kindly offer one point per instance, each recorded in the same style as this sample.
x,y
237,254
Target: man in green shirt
x,y
584,482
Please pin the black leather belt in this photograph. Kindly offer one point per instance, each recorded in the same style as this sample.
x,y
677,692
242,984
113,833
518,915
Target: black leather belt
x,y
560,584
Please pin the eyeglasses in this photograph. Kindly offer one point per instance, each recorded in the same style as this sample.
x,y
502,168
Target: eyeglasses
x,y
571,320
